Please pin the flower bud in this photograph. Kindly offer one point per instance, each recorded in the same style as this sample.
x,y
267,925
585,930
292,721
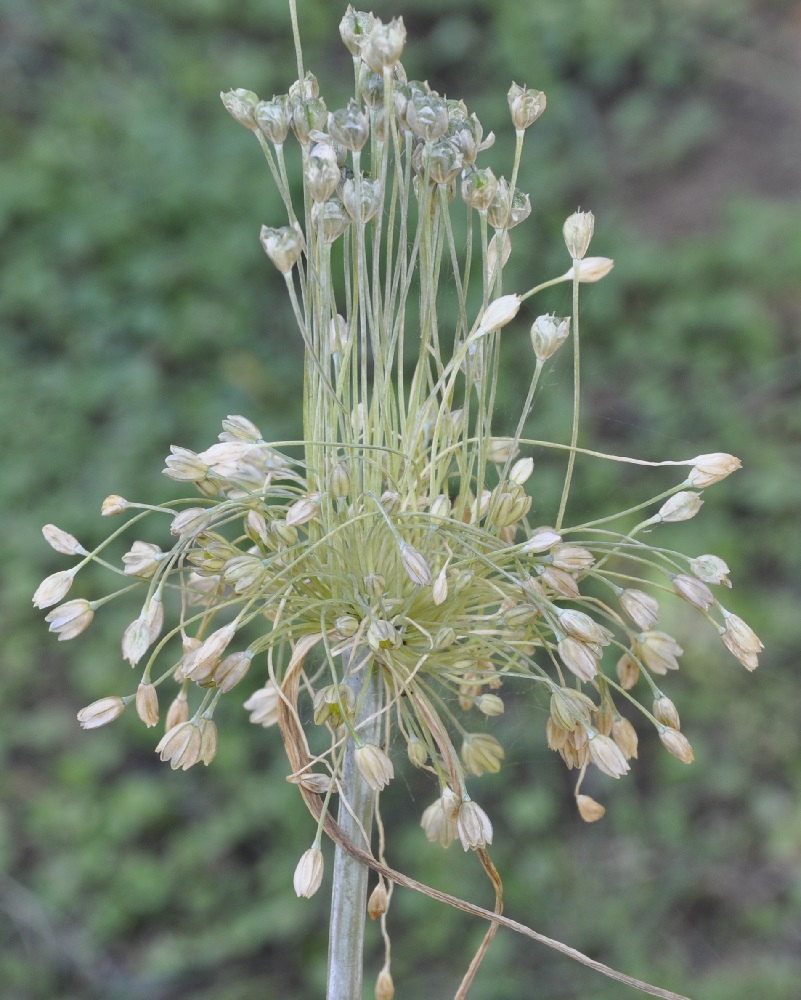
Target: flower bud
x,y
525,106
710,469
473,826
374,766
53,588
283,246
541,540
309,873
241,104
302,511
501,450
625,735
101,712
438,824
199,664
181,746
741,640
640,607
548,333
416,752
70,619
62,541
607,755
499,312
384,987
439,590
521,471
147,704
579,658
482,753
135,640
628,672
230,671
577,230
658,651
113,504
378,901
572,558
177,713
417,569
339,482
694,591
143,560
490,705
590,269
263,705
665,711
680,507
677,744
582,626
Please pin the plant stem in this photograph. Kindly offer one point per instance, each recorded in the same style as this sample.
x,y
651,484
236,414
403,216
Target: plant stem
x,y
355,817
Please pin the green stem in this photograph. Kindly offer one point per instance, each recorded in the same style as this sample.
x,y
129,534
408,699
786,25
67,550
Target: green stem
x,y
349,892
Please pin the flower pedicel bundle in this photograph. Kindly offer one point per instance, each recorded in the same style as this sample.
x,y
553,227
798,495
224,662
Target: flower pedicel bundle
x,y
395,569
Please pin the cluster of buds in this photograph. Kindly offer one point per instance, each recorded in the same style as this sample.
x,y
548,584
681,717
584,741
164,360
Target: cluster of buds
x,y
397,545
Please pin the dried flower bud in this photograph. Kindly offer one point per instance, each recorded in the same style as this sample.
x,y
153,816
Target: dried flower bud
x,y
578,230
384,987
70,619
230,671
548,333
272,118
665,711
590,269
640,607
113,504
680,507
383,47
694,591
321,173
541,540
607,755
147,704
438,825
478,188
625,735
658,651
263,705
62,541
427,116
710,469
208,741
53,588
628,672
417,569
319,784
677,744
354,28
499,312
101,712
283,246
589,810
482,753
181,746
349,127
241,104
582,626
741,640
309,873
374,766
177,713
525,106
378,901
579,658
572,558
361,200
473,825
711,569
558,581
570,708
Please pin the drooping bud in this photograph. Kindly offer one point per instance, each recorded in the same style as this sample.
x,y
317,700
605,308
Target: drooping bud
x,y
579,658
283,246
625,735
490,705
438,824
572,558
53,588
741,640
589,810
473,826
680,507
382,635
384,987
694,591
577,231
665,711
263,705
711,569
640,607
62,541
374,766
70,619
302,511
677,744
147,704
658,651
309,873
101,712
181,746
378,901
482,753
607,755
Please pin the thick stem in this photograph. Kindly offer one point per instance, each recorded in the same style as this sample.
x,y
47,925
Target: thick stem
x,y
349,892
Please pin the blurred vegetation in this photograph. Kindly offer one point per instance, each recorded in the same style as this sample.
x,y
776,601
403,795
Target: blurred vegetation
x,y
137,309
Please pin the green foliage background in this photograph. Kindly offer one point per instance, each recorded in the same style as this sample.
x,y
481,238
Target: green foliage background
x,y
137,309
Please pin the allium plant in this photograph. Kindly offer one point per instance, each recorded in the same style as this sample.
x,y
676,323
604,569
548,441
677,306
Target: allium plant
x,y
384,578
